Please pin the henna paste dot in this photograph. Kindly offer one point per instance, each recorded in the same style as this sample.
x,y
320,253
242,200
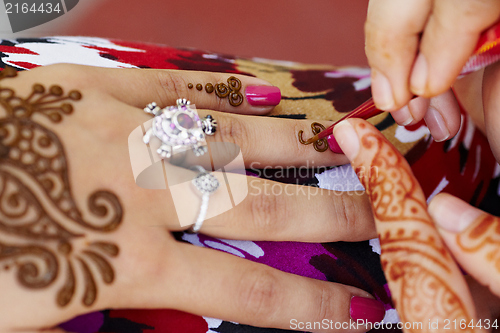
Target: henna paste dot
x,y
8,72
38,88
199,87
362,125
400,232
414,210
44,142
48,184
67,108
56,90
209,88
65,248
55,117
190,85
13,200
415,233
75,95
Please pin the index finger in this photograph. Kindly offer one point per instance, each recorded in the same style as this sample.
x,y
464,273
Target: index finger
x,y
138,87
425,282
392,31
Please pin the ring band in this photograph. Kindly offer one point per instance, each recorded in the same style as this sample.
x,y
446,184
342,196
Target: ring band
x,y
179,128
207,184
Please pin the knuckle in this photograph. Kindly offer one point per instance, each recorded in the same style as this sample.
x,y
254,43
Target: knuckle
x,y
232,129
268,211
325,307
345,211
260,297
171,87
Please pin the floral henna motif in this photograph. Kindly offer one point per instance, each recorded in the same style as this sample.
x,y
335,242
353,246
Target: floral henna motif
x,y
483,234
425,282
37,211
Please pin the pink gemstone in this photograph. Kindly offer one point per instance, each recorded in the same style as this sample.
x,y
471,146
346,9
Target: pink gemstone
x,y
185,121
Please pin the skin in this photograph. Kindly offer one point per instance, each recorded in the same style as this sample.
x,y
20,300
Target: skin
x,y
141,265
151,262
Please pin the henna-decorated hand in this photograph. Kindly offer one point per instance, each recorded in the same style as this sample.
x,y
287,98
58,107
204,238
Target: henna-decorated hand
x,y
425,282
78,235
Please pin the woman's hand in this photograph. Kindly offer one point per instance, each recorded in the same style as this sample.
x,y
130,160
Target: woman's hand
x,y
426,284
78,235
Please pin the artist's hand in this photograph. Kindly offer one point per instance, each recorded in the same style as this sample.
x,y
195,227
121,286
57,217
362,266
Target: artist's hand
x,y
426,284
473,238
418,47
78,235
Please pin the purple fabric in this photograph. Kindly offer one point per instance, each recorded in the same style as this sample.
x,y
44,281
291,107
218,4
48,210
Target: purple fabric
x,y
88,323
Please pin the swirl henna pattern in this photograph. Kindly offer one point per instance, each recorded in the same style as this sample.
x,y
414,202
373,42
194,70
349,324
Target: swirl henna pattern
x,y
231,90
483,235
39,219
425,282
320,145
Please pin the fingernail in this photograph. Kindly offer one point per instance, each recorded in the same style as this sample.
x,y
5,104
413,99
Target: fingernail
x,y
263,95
347,139
334,146
382,91
436,124
402,116
452,214
367,309
418,80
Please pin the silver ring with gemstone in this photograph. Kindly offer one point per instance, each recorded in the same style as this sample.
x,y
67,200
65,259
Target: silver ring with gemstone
x,y
206,184
179,128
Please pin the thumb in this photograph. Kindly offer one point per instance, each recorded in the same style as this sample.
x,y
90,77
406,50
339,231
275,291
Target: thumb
x,y
473,237
424,280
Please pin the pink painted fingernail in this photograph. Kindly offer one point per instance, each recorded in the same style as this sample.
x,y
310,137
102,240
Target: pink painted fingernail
x,y
367,309
333,144
263,95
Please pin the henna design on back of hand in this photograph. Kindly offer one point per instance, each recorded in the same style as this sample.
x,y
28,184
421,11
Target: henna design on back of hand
x,y
422,275
38,213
